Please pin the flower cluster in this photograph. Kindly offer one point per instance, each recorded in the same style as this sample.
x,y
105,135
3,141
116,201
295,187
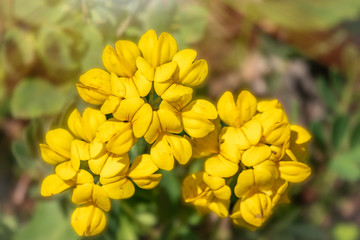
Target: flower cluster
x,y
145,91
257,144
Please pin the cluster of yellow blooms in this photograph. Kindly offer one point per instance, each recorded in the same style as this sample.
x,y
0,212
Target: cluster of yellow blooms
x,y
258,139
146,91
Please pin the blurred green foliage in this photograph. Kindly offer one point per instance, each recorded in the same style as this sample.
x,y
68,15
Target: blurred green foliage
x,y
46,45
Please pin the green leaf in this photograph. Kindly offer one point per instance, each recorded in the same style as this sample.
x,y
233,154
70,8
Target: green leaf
x,y
48,222
347,165
127,229
339,130
35,97
346,231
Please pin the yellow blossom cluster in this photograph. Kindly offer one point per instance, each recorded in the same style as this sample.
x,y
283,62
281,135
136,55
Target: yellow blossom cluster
x,y
145,92
256,144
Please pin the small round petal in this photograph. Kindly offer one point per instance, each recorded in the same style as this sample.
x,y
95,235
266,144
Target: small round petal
x,y
196,125
83,193
120,189
220,207
114,165
227,108
185,59
166,50
245,181
213,182
80,150
50,156
128,108
142,84
299,135
294,171
246,105
169,122
88,220
98,80
77,126
256,154
164,73
92,119
142,166
59,140
101,198
256,208
154,129
53,184
141,120
148,45
91,95
110,105
175,92
96,164
83,177
196,74
203,107
180,147
145,68
161,154
65,170
148,182
220,166
128,52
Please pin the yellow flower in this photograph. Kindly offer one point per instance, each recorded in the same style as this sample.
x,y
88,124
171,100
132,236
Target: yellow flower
x,y
167,146
299,141
207,192
53,184
195,116
142,173
243,131
223,158
131,121
66,152
88,220
175,79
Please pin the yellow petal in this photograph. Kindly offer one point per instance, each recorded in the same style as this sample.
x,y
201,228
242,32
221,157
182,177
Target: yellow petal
x,y
238,137
164,73
148,46
88,220
110,105
154,129
145,68
95,86
65,170
142,84
220,207
82,193
167,48
53,184
252,131
114,165
220,167
203,107
180,147
196,125
50,156
184,59
207,145
230,152
83,177
223,193
299,135
118,88
256,154
245,181
169,122
91,95
101,198
227,108
77,126
175,92
96,148
246,105
120,189
294,171
142,166
141,120
161,154
255,208
148,182
265,174
128,108
192,186
276,128
92,118
267,105
122,141
127,52
213,182
96,164
80,150
59,140
196,74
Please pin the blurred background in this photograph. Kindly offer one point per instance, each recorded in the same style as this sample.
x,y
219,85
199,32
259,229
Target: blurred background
x,y
305,53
